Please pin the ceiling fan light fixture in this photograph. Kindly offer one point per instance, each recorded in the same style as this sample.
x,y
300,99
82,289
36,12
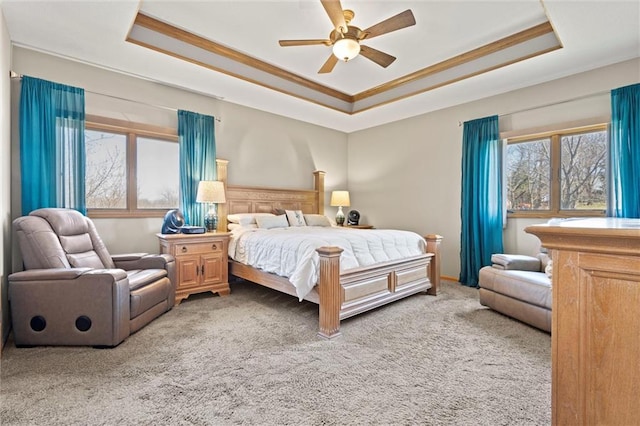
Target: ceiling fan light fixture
x,y
346,49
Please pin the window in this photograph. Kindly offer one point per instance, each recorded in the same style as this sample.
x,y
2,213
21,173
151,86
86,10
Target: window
x,y
106,170
131,170
558,174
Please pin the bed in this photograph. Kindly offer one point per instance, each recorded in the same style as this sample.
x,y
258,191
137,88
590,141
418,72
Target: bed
x,y
339,295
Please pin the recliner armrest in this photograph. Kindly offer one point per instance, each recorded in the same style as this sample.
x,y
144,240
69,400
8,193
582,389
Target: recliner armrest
x,y
142,261
59,275
517,262
48,274
128,256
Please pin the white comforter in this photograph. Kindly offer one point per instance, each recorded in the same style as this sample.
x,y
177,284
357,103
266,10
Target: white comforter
x,y
291,252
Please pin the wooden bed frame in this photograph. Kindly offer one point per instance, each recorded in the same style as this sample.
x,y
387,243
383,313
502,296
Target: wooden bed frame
x,y
338,296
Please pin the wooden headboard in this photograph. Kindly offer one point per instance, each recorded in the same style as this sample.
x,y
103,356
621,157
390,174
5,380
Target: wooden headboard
x,y
250,199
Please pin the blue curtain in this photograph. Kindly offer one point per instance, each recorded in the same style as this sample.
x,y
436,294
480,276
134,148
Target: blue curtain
x,y
52,152
197,161
624,154
481,211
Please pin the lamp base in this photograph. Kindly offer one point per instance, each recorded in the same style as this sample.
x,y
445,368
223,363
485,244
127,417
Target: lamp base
x,y
340,217
211,222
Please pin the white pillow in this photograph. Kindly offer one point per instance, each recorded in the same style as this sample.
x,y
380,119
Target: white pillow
x,y
317,220
246,218
234,226
268,222
295,217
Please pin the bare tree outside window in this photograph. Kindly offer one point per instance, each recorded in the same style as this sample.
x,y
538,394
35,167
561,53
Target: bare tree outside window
x,y
105,181
528,175
558,173
583,171
129,173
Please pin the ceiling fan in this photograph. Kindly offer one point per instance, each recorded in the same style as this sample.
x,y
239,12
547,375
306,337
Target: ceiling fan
x,y
346,38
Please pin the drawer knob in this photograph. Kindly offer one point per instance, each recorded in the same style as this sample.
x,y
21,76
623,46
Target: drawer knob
x,y
214,247
184,249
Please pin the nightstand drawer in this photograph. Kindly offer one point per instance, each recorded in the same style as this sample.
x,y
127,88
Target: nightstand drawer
x,y
198,248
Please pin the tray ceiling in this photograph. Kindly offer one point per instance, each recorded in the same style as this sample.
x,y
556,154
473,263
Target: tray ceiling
x,y
458,51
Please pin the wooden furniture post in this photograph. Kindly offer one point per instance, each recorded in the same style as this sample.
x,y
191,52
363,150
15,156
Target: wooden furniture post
x,y
318,185
330,292
433,246
221,173
595,326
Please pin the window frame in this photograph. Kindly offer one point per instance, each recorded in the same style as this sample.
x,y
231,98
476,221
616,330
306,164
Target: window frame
x,y
131,131
555,137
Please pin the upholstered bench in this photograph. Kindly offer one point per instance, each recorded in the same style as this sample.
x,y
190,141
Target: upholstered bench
x,y
519,287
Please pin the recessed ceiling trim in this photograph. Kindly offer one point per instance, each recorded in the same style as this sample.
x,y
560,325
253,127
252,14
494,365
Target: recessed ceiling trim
x,y
167,39
205,58
219,49
463,70
488,49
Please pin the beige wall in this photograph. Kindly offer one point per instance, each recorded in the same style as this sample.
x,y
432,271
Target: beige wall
x,y
403,175
263,149
5,170
407,174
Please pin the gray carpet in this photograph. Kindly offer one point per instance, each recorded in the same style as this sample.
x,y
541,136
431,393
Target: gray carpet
x,y
253,358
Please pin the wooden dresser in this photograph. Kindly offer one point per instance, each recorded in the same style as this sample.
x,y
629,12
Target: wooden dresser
x,y
596,320
201,262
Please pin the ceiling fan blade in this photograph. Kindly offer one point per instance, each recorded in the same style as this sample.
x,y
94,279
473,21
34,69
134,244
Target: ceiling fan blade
x,y
309,42
401,20
328,66
380,58
334,10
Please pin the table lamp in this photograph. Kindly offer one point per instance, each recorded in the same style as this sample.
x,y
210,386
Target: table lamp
x,y
212,193
340,199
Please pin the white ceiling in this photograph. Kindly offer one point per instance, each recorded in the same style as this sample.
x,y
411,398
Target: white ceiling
x,y
593,34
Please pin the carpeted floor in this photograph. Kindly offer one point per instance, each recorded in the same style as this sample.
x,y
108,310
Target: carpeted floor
x,y
253,358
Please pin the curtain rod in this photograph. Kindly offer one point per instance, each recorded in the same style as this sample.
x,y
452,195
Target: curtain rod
x,y
591,95
13,74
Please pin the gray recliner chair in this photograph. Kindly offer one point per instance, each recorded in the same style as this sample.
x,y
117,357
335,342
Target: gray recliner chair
x,y
519,286
73,292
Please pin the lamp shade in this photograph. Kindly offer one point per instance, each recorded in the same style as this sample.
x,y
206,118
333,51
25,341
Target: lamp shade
x,y
210,191
340,198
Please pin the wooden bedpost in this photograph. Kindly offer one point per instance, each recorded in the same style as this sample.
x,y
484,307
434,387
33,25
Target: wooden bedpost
x,y
221,175
329,291
318,185
433,246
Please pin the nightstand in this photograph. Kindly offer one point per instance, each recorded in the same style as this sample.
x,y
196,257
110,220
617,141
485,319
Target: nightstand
x,y
360,226
201,262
